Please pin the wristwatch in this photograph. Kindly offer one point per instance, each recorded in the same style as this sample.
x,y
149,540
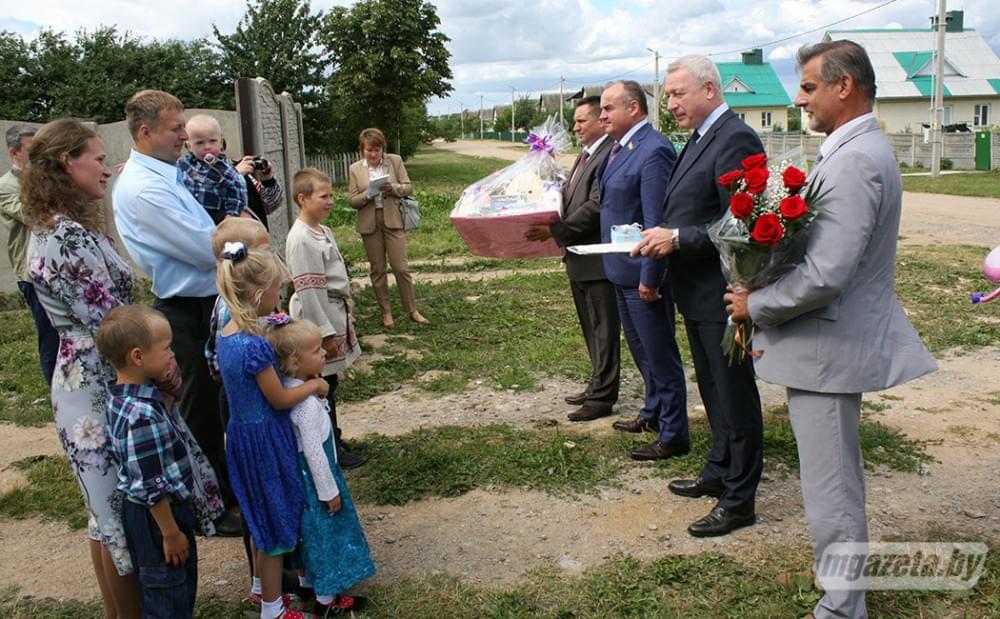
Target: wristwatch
x,y
675,240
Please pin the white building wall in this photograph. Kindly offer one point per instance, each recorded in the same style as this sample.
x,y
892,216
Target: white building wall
x,y
906,116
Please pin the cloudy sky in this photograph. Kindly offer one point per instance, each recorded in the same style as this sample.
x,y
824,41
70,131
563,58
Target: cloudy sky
x,y
529,45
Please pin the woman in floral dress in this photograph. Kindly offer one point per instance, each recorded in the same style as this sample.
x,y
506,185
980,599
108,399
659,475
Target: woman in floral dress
x,y
79,277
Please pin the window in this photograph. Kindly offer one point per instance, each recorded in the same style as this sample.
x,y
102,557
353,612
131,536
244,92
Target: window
x,y
982,117
946,116
742,116
765,119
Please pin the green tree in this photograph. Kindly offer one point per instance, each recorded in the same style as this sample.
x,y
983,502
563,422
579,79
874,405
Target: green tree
x,y
279,40
794,119
389,57
94,74
17,97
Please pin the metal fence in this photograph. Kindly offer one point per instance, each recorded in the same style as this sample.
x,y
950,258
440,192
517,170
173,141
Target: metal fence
x,y
337,167
910,149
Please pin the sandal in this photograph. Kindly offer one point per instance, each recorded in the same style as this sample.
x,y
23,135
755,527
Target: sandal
x,y
418,318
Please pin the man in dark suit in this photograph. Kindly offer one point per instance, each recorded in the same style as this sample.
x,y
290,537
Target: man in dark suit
x,y
632,183
694,200
593,294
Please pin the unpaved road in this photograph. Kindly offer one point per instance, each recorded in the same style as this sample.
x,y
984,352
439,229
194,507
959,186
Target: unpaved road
x,y
491,537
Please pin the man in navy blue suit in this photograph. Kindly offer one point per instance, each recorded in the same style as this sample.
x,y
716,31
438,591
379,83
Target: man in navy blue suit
x,y
632,183
694,199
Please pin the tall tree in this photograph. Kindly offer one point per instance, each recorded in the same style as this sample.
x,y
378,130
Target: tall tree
x,y
94,74
279,40
389,57
17,97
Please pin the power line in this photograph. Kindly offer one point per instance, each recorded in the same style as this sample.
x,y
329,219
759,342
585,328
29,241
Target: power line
x,y
801,34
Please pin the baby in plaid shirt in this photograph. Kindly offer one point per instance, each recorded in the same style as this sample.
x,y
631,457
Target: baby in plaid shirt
x,y
215,182
169,488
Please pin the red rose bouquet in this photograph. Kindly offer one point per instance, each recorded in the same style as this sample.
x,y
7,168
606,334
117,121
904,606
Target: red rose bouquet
x,y
764,232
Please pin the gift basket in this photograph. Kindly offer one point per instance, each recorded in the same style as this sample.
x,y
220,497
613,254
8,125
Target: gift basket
x,y
494,213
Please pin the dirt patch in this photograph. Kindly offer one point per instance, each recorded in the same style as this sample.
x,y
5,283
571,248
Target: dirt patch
x,y
20,443
492,536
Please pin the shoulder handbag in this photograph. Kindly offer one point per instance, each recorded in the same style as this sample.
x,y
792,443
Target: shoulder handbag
x,y
409,210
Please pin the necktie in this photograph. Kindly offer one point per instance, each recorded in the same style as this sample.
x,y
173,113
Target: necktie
x,y
689,145
578,172
617,148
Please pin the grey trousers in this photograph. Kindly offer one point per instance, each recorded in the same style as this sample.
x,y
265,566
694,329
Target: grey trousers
x,y
826,427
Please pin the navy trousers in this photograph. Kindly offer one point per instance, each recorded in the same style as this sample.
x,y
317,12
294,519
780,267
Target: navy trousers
x,y
649,331
48,337
732,404
168,592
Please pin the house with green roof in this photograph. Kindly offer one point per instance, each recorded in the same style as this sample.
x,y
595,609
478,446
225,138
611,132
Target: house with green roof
x,y
754,92
903,59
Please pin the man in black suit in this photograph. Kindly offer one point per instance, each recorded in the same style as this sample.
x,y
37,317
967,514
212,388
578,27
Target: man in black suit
x,y
593,294
694,200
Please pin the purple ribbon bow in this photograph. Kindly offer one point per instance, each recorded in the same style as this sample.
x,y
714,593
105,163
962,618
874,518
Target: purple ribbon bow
x,y
278,319
537,142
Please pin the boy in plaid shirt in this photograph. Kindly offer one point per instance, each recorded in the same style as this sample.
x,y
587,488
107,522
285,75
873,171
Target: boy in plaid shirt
x,y
168,485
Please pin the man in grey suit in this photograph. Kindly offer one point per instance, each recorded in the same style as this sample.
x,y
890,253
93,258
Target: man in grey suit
x,y
833,328
593,294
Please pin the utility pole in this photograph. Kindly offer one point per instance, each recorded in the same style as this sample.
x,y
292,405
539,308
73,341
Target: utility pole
x,y
656,88
937,140
562,116
480,117
512,89
462,119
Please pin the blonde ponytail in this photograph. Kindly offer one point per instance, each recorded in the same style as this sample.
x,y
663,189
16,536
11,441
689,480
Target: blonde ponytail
x,y
242,278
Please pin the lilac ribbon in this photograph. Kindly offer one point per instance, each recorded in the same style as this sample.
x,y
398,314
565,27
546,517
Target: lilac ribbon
x,y
278,319
537,142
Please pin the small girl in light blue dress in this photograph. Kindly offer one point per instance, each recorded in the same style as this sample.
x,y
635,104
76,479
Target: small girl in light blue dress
x,y
333,545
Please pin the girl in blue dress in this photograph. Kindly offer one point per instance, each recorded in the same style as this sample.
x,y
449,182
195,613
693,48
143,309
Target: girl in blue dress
x,y
260,441
333,545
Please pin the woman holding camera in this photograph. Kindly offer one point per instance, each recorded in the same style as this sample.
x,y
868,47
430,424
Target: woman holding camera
x,y
380,222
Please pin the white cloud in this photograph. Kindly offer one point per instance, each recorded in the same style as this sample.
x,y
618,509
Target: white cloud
x,y
530,45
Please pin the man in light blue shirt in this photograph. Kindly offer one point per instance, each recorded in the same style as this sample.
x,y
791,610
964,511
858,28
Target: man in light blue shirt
x,y
169,235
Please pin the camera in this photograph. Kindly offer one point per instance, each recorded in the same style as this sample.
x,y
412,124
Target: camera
x,y
259,163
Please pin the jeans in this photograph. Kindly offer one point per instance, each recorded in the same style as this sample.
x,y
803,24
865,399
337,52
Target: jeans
x,y
168,592
48,338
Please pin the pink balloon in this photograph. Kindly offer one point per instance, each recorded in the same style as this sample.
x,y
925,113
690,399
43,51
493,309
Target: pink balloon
x,y
991,266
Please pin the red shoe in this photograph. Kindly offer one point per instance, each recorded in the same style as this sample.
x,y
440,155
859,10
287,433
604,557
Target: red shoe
x,y
288,613
341,605
290,601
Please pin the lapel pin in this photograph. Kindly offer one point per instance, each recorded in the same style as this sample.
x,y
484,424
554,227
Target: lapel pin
x,y
631,146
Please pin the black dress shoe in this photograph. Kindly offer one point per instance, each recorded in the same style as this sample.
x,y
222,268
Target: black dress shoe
x,y
347,460
721,521
660,451
695,488
577,398
229,524
637,425
589,413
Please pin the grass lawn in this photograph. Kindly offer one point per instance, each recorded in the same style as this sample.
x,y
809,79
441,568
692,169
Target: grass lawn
x,y
439,177
703,586
979,185
510,332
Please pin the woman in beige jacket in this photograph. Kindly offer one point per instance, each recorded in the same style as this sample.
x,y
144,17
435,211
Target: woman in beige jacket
x,y
380,222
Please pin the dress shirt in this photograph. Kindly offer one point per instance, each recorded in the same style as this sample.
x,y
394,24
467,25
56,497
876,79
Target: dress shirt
x,y
628,134
164,228
710,120
152,457
838,134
